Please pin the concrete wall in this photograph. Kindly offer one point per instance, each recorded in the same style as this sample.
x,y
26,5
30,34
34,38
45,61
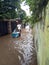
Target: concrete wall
x,y
42,38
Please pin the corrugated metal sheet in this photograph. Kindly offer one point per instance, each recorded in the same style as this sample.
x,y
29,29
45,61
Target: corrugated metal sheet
x,y
3,28
13,25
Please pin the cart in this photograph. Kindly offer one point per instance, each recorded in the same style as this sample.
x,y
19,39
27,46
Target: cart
x,y
15,34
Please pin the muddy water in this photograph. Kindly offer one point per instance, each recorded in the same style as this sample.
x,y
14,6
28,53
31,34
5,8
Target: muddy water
x,y
17,51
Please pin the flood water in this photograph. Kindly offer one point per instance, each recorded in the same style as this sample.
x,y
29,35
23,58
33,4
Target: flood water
x,y
17,51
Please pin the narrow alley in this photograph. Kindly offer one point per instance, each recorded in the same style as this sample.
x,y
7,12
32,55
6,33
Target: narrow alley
x,y
18,51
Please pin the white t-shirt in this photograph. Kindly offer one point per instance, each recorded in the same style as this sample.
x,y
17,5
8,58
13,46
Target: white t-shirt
x,y
19,26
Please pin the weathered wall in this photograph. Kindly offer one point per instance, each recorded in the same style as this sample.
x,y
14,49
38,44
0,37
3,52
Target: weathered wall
x,y
47,36
42,39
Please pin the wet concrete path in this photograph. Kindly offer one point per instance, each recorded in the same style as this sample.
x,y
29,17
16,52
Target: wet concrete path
x,y
17,51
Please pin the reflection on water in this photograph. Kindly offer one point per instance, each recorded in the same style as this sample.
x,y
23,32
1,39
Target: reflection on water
x,y
23,49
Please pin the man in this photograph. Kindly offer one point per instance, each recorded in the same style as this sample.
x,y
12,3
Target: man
x,y
19,28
